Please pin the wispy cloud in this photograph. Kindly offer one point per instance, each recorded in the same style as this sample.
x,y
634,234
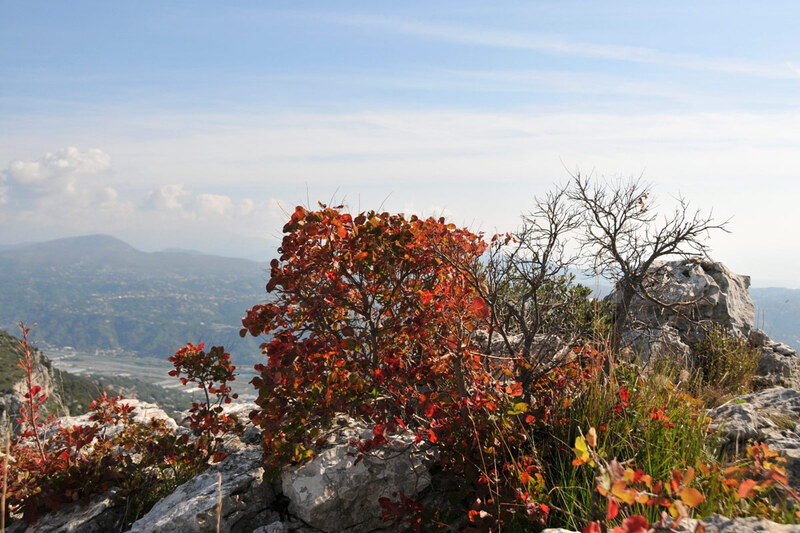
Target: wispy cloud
x,y
502,38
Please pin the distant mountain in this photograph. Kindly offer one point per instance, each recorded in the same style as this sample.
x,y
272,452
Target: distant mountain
x,y
778,313
181,251
99,293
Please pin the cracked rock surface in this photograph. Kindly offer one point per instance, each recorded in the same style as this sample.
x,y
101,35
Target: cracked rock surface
x,y
193,505
336,493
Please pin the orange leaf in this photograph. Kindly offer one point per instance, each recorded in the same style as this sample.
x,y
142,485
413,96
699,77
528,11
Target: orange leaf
x,y
746,487
514,390
691,497
688,476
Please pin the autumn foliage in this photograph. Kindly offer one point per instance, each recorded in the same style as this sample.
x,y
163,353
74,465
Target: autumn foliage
x,y
53,464
370,318
375,315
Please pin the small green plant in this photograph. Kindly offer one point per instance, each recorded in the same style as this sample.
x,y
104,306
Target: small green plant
x,y
726,365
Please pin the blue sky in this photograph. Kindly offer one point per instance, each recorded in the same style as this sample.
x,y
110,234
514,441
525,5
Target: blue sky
x,y
197,124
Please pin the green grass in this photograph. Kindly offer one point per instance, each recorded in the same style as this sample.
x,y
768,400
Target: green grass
x,y
662,428
626,432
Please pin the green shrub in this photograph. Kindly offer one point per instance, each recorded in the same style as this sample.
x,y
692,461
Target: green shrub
x,y
726,364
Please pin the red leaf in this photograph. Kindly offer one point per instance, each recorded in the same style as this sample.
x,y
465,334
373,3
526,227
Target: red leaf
x,y
479,308
613,509
514,390
593,527
636,524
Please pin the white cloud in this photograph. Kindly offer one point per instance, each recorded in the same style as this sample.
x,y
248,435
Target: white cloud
x,y
483,167
246,206
215,203
167,197
50,168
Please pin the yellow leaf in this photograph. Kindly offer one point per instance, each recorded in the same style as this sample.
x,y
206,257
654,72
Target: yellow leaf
x,y
582,452
621,491
521,407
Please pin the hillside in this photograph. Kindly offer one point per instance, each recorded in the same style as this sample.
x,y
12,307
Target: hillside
x,y
70,393
778,313
10,353
98,293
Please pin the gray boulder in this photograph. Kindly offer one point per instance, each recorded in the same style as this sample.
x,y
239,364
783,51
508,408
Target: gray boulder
x,y
721,524
192,507
697,293
771,416
779,365
143,412
102,514
336,493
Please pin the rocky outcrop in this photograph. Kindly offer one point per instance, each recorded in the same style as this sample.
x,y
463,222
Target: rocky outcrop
x,y
237,482
143,412
544,348
102,514
771,416
338,492
779,365
721,524
697,293
44,376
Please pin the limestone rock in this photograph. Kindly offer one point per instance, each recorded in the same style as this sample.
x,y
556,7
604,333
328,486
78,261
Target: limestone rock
x,y
771,416
333,493
103,513
544,347
655,342
719,523
779,364
719,297
143,412
193,505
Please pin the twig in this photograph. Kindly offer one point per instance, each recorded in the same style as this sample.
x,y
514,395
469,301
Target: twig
x,y
5,476
219,499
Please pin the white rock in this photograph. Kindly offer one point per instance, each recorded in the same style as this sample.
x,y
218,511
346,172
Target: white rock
x,y
334,494
193,505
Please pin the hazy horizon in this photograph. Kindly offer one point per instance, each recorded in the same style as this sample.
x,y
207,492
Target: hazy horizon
x,y
197,125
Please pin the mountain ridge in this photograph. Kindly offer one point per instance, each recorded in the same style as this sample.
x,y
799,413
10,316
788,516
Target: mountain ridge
x,y
97,292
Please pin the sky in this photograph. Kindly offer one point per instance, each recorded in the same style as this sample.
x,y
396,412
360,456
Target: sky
x,y
200,125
